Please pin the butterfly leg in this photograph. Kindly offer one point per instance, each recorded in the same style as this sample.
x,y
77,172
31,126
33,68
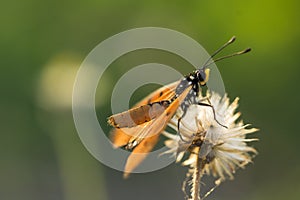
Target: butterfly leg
x,y
178,129
214,112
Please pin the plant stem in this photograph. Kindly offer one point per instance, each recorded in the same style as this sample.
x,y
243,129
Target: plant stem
x,y
197,173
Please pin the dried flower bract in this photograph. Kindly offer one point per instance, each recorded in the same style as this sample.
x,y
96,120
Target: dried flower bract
x,y
214,144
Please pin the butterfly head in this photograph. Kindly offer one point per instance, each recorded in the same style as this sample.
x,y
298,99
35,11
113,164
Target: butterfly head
x,y
202,76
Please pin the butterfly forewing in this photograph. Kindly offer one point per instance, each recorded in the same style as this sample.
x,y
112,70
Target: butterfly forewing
x,y
139,115
121,136
146,110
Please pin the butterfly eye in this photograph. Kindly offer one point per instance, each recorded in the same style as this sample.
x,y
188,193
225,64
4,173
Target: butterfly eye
x,y
201,76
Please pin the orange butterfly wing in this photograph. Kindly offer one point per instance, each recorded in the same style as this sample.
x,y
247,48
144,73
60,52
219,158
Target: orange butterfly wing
x,y
119,137
143,137
146,144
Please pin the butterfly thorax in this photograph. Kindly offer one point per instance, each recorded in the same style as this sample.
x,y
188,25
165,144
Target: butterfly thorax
x,y
196,79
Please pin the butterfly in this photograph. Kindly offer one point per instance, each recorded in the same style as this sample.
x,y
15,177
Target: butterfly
x,y
139,128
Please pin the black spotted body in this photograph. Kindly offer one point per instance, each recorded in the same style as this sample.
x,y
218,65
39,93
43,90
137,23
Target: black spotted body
x,y
191,97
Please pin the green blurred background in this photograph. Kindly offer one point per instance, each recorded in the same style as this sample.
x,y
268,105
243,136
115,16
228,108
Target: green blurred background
x,y
43,44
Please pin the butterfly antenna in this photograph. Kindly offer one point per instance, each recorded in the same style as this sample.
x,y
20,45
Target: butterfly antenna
x,y
218,51
228,56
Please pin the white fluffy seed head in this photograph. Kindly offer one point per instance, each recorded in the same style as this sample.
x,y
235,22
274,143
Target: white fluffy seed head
x,y
226,148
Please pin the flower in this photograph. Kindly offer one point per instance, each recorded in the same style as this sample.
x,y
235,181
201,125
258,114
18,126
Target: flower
x,y
210,135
